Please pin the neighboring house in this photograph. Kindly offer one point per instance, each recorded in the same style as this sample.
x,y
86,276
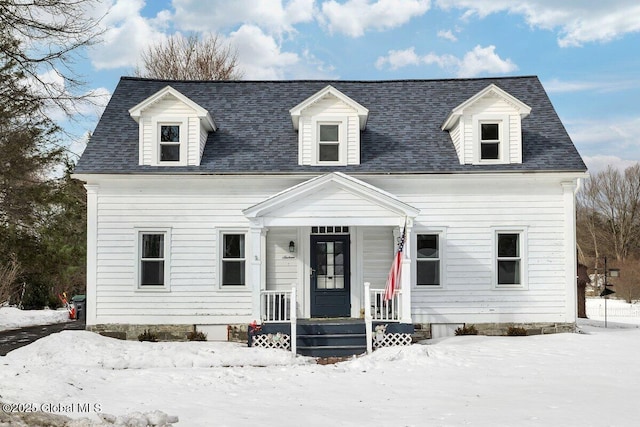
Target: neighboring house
x,y
209,202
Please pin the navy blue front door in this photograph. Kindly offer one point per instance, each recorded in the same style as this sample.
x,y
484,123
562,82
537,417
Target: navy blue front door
x,y
330,272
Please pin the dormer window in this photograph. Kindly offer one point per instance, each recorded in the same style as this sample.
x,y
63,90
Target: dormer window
x,y
169,143
329,124
173,129
329,143
489,141
486,129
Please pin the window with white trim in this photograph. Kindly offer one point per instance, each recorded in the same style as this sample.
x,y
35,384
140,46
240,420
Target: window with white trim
x,y
233,260
428,259
330,139
509,260
490,140
153,260
328,142
170,141
169,149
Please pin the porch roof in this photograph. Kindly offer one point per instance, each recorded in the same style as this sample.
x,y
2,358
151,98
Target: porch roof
x,y
332,199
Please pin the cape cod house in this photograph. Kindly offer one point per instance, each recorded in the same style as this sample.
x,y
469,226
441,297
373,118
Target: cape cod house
x,y
217,204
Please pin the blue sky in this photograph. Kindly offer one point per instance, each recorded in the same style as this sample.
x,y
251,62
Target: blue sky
x,y
586,53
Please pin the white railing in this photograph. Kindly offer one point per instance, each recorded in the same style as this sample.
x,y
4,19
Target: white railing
x,y
293,317
379,310
386,311
276,306
280,307
630,311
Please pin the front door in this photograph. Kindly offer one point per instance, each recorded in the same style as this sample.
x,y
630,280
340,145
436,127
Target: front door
x,y
330,272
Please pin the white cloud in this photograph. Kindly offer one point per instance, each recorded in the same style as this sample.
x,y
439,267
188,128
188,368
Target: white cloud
x,y
259,55
128,34
355,17
606,141
219,15
484,60
603,86
447,35
600,162
399,58
577,22
480,60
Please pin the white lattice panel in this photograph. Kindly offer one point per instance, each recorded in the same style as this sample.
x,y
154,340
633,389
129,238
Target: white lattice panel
x,y
389,340
282,341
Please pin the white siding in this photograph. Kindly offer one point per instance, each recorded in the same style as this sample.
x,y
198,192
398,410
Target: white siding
x,y
468,208
377,255
194,212
282,266
329,107
332,203
456,137
469,213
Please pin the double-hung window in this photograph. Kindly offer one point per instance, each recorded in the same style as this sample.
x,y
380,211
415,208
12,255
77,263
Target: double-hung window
x,y
428,260
329,142
330,139
169,149
153,260
233,261
490,141
510,260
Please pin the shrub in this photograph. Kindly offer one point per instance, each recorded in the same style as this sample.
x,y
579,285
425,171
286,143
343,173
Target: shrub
x,y
148,336
514,331
196,336
467,330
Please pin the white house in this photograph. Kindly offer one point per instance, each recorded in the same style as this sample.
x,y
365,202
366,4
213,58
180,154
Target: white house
x,y
215,204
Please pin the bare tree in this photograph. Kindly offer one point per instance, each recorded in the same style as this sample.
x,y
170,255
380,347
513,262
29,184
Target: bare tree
x,y
627,286
42,38
9,273
190,58
609,211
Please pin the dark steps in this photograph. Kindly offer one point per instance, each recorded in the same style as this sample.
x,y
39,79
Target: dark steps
x,y
331,338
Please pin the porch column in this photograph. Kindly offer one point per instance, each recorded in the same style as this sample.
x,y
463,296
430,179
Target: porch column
x,y
405,277
257,237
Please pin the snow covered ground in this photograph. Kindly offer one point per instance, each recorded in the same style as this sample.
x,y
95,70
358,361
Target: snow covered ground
x,y
585,379
13,318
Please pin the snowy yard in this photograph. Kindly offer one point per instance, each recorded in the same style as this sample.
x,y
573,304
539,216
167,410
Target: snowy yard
x,y
586,379
13,318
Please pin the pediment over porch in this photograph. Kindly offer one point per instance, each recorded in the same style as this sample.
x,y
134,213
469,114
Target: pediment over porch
x,y
332,199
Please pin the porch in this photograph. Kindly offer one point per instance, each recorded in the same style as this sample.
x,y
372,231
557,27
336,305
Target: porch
x,y
380,326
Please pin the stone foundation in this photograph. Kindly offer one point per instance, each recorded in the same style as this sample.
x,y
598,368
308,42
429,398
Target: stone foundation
x,y
236,333
423,330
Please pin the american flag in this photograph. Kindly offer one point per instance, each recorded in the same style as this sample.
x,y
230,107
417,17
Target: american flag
x,y
393,280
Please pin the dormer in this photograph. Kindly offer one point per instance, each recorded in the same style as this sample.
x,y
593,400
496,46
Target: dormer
x,y
486,129
173,129
329,125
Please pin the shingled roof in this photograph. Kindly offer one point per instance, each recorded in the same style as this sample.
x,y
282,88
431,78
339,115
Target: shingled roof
x,y
255,134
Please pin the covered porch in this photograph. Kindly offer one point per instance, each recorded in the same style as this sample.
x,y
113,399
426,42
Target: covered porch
x,y
323,249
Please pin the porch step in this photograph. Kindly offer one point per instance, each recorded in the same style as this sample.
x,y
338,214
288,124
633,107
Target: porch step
x,y
331,338
332,351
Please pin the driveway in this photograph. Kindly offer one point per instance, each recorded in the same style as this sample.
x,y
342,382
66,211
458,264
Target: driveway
x,y
16,338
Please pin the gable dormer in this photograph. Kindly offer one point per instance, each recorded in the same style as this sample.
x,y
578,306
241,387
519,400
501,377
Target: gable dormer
x,y
486,128
329,125
173,129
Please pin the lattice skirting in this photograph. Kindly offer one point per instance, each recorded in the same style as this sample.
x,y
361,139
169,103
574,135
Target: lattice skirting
x,y
282,341
389,340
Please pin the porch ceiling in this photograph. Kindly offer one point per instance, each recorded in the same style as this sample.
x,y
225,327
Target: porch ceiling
x,y
332,199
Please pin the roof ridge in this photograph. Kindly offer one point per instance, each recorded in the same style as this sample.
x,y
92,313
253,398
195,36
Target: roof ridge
x,y
452,79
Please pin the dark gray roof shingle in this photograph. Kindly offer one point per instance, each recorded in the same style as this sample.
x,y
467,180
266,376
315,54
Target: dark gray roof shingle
x,y
403,134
